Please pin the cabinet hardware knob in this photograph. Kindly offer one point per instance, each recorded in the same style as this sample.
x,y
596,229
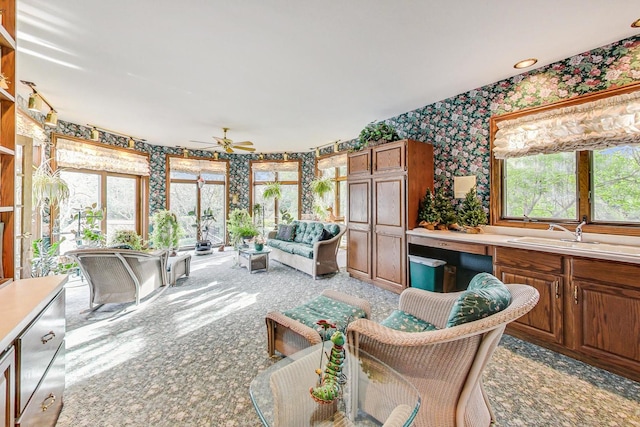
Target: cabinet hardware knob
x,y
51,398
48,337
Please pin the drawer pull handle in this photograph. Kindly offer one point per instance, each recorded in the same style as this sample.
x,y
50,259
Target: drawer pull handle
x,y
48,337
443,244
51,398
557,285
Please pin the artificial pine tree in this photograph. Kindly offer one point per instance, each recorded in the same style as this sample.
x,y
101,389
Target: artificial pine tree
x,y
428,216
445,209
471,212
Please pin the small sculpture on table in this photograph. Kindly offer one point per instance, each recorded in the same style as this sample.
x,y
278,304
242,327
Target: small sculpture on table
x,y
330,384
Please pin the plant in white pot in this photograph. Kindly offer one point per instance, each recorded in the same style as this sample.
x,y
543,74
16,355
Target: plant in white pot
x,y
166,231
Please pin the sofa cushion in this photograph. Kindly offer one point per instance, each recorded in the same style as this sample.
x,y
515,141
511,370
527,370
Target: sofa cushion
x,y
403,321
325,235
301,227
302,250
281,244
312,233
286,232
333,229
325,308
486,295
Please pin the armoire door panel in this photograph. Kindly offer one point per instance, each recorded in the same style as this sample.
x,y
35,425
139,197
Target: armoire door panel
x,y
389,264
359,252
389,158
389,201
359,193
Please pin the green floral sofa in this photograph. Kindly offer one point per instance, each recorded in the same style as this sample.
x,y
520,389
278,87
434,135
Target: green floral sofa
x,y
308,246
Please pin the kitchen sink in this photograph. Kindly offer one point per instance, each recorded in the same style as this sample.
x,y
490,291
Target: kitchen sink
x,y
580,246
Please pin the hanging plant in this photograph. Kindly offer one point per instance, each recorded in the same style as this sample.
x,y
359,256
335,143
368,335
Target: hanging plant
x,y
48,187
273,190
166,230
320,187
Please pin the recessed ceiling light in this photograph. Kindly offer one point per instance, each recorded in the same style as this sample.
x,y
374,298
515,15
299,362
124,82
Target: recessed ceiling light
x,y
525,63
635,24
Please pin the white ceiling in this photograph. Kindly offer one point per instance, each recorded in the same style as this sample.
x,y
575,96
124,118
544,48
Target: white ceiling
x,y
287,75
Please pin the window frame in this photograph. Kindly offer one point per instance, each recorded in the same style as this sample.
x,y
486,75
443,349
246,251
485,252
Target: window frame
x,y
583,178
253,183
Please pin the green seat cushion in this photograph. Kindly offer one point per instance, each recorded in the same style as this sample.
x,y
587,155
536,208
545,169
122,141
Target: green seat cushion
x,y
301,227
313,233
486,295
325,308
302,250
403,321
281,244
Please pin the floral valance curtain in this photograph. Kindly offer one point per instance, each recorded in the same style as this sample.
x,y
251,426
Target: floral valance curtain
x,y
81,155
336,161
275,166
595,125
197,166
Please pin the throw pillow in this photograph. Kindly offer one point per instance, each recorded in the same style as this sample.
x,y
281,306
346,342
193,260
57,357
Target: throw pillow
x,y
486,295
333,229
325,235
286,232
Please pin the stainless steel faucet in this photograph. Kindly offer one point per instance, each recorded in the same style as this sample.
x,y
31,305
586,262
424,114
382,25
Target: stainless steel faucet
x,y
577,235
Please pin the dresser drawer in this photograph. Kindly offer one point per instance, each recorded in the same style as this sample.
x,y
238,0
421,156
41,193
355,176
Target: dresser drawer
x,y
45,405
36,347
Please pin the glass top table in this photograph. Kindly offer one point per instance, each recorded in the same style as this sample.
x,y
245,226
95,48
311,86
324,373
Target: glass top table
x,y
374,394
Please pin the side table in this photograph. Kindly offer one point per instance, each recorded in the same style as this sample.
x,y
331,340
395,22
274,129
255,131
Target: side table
x,y
254,260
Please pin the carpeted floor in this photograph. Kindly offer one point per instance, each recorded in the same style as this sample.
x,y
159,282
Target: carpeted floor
x,y
187,357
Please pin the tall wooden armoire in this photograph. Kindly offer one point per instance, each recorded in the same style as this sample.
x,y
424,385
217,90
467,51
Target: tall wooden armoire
x,y
386,184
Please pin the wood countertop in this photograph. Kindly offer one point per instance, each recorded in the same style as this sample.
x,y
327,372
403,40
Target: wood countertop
x,y
21,301
505,236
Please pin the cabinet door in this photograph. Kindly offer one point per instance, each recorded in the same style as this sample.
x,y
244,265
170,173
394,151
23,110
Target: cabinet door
x,y
607,321
545,319
389,244
389,157
7,388
359,229
359,163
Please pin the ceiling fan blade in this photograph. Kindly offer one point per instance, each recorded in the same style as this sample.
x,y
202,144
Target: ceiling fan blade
x,y
245,148
243,143
200,142
221,141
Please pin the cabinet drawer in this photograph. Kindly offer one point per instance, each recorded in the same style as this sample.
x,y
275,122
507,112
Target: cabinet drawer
x,y
359,164
472,248
607,271
529,260
46,403
36,347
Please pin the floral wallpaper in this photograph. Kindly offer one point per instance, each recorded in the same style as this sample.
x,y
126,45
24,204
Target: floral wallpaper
x,y
458,127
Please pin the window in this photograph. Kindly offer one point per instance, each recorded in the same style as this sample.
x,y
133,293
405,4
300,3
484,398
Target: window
x,y
198,189
579,160
286,175
335,167
107,191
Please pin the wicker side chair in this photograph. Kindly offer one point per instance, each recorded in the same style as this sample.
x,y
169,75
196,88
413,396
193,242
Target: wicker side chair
x,y
445,365
121,275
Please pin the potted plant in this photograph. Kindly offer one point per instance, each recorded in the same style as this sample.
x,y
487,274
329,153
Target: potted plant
x,y
240,227
428,216
48,188
259,242
129,238
446,211
375,133
472,215
203,228
320,187
166,231
89,232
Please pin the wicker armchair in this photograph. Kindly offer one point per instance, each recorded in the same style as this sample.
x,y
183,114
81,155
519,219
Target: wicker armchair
x,y
121,275
445,365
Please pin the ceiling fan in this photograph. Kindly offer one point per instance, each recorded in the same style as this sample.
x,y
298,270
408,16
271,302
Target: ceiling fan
x,y
228,145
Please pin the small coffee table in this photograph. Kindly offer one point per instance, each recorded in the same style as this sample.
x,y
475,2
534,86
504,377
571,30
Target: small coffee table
x,y
254,260
374,393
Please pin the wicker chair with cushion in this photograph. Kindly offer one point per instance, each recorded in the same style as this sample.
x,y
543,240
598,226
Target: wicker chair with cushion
x,y
443,342
121,275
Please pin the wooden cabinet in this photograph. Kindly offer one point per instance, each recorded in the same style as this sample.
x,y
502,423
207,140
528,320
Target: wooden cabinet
x,y
545,272
605,302
7,387
7,138
386,184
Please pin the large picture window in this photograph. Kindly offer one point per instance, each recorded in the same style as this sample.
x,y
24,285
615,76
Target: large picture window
x,y
285,175
335,167
578,160
197,195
